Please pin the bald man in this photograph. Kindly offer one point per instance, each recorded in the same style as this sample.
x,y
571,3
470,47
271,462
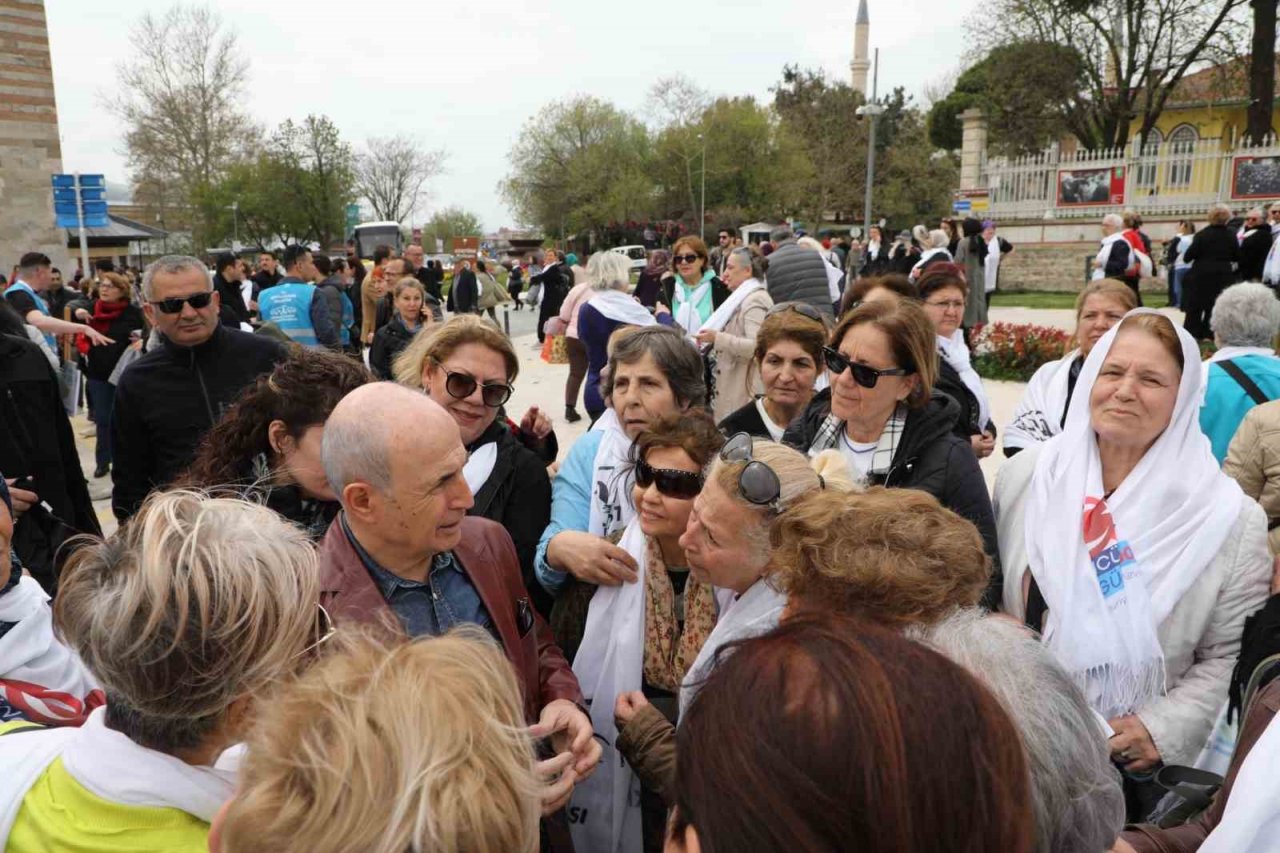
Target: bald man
x,y
403,556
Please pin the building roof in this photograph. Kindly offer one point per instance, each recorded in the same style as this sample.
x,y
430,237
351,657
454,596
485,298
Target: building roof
x,y
118,230
1227,83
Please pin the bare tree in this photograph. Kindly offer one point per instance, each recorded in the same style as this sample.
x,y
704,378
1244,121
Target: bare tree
x,y
178,99
675,107
392,172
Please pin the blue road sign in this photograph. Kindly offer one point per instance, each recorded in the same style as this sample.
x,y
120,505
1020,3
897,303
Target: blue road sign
x,y
89,198
63,180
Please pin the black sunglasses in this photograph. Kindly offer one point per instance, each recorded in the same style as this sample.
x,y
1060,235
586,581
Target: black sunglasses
x,y
682,485
174,304
804,309
758,483
685,259
462,385
865,376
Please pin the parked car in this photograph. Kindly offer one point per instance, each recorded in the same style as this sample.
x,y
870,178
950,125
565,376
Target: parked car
x,y
638,255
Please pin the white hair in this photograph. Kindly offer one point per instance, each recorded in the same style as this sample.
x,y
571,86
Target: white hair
x,y
1246,315
1076,795
938,239
171,265
609,271
1115,220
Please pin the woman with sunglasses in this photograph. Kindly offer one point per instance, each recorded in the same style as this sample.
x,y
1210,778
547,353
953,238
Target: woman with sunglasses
x,y
467,366
642,635
788,354
696,291
883,416
187,616
728,337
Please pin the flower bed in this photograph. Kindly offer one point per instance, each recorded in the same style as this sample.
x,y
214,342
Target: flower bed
x,y
1014,351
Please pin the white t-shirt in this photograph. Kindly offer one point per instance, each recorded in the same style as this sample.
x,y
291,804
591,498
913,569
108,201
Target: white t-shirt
x,y
775,431
858,455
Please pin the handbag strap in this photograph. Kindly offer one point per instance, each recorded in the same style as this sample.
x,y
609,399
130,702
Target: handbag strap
x,y
1196,787
1242,379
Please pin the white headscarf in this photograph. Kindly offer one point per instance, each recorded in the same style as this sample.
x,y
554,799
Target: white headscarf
x,y
1251,821
1147,542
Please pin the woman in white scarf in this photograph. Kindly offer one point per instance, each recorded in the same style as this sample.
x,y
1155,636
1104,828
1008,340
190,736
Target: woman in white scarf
x,y
1124,543
695,291
185,617
935,252
728,337
1043,408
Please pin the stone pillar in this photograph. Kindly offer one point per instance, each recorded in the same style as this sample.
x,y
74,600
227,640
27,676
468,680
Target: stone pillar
x,y
29,148
861,63
973,148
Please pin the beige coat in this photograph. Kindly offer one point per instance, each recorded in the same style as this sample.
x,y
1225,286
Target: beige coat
x,y
1253,461
734,349
1200,637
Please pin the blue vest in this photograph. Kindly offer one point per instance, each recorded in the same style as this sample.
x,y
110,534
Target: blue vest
x,y
289,307
51,340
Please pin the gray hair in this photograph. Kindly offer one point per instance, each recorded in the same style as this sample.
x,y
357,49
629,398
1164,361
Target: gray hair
x,y
1255,211
920,234
756,262
676,357
1115,220
358,449
609,271
938,239
1076,796
1246,315
780,233
171,265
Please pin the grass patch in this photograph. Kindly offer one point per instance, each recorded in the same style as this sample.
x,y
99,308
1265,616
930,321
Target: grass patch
x,y
1058,299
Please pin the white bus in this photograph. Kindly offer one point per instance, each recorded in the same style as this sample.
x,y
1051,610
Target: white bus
x,y
369,235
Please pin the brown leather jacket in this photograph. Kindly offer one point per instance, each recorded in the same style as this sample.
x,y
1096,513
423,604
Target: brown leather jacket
x,y
1188,837
487,556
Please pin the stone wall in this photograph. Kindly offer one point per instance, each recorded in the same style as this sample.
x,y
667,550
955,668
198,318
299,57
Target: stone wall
x,y
1054,266
29,147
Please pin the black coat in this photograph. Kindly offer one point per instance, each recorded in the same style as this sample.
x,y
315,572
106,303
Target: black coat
x,y
746,419
233,311
902,257
877,264
101,360
36,441
950,383
167,400
933,459
1213,253
466,295
517,495
1253,253
388,342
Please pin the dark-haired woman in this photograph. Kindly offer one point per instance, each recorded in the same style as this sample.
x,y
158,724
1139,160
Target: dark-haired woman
x,y
267,445
788,356
409,318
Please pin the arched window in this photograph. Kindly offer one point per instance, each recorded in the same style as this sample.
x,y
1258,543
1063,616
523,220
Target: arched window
x,y
1182,145
1145,174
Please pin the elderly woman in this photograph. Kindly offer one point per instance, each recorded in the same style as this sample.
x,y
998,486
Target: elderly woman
x,y
409,319
788,355
1213,254
1244,371
728,337
652,372
643,635
607,309
1043,408
267,446
1132,552
695,292
943,292
186,615
847,727
883,416
336,762
934,252
468,365
992,250
1253,461
888,286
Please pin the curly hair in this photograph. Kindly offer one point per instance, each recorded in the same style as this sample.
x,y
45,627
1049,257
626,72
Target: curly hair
x,y
695,432
302,392
892,556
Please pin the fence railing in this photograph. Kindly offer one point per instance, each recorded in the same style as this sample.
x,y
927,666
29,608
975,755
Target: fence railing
x,y
1170,178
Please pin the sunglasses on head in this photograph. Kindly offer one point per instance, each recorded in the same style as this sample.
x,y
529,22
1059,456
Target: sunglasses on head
x,y
865,376
174,305
758,484
460,386
804,309
685,259
683,485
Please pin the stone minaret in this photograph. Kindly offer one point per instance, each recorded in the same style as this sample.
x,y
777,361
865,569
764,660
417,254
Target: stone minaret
x,y
29,147
861,53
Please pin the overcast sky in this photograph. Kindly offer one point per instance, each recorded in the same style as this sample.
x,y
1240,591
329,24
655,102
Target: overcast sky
x,y
465,76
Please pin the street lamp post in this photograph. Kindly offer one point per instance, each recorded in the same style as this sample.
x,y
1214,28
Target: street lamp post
x,y
702,213
872,111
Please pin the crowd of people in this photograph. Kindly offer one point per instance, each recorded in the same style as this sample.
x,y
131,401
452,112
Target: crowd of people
x,y
765,602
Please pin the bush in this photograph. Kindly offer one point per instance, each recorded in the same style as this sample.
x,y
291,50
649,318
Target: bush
x,y
1014,351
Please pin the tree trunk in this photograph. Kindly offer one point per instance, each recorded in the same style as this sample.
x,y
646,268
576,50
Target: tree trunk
x,y
1262,70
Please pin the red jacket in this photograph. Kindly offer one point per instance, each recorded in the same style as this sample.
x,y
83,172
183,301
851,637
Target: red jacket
x,y
487,555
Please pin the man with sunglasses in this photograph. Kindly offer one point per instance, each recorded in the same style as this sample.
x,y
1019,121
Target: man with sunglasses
x,y
168,399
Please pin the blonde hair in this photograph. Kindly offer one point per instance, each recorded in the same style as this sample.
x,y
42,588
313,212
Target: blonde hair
x,y
420,746
893,556
440,341
408,282
194,603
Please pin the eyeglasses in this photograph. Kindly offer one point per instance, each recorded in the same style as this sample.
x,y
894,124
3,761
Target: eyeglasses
x,y
804,309
321,633
682,485
865,376
685,259
758,484
462,385
174,304
951,305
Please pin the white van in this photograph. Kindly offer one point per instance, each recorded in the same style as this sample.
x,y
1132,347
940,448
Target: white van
x,y
638,255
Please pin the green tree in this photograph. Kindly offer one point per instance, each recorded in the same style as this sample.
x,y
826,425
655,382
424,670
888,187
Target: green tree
x,y
450,222
914,179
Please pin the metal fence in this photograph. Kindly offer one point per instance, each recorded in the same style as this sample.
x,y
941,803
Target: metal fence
x,y
1178,176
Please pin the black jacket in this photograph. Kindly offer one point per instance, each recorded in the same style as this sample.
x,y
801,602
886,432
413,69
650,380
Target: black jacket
x,y
746,419
902,257
101,360
1253,253
932,458
168,399
877,264
263,280
466,295
517,495
36,441
233,311
387,344
1213,254
950,383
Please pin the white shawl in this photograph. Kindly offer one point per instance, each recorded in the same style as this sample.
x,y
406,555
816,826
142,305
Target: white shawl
x,y
686,309
1251,821
757,611
991,266
39,675
1271,269
610,661
611,478
1038,417
956,352
721,316
1104,252
1147,543
924,257
621,308
480,466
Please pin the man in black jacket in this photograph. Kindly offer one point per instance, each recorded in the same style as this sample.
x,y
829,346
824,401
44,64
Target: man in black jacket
x,y
227,277
466,291
168,399
555,281
1255,244
268,274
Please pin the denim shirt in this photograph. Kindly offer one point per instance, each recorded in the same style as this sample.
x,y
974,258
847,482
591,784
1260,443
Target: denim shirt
x,y
428,608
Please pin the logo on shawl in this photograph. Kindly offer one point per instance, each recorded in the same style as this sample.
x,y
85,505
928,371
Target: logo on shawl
x,y
1109,554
